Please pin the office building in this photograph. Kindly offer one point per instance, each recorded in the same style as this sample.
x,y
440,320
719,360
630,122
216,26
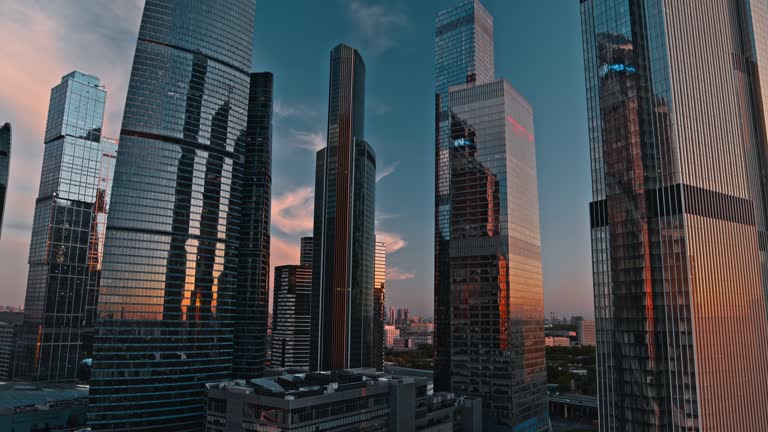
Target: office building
x,y
390,333
488,278
391,316
305,252
676,108
345,185
252,289
557,341
65,245
291,312
361,399
7,343
379,304
5,166
167,311
586,332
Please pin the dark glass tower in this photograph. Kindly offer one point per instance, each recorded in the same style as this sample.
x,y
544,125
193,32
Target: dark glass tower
x,y
345,182
489,307
64,250
676,104
252,292
291,312
5,166
166,313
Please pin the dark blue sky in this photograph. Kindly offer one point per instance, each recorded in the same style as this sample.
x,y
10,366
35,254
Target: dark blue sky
x,y
537,49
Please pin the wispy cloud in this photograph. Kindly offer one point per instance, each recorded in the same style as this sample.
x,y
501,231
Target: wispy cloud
x,y
395,274
387,170
393,241
379,24
284,110
292,212
309,140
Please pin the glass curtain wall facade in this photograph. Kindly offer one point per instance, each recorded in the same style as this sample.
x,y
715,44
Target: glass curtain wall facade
x,y
489,317
379,304
62,284
463,54
678,219
345,183
166,314
496,303
5,166
253,254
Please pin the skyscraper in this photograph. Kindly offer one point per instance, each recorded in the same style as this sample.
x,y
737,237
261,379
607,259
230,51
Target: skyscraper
x,y
345,182
62,283
379,304
488,282
166,311
676,104
291,311
252,293
463,54
305,253
5,166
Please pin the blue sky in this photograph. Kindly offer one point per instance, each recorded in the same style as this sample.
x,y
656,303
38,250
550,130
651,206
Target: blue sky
x,y
537,49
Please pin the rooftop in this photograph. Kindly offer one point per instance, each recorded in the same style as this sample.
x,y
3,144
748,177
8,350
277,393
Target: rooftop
x,y
20,394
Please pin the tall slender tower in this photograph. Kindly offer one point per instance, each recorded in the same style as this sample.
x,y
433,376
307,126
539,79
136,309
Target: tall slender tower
x,y
676,99
61,287
379,304
489,307
252,292
345,182
166,311
5,166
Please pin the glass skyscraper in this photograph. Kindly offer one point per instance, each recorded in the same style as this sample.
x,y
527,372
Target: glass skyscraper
x,y
379,304
463,54
345,183
64,249
489,308
166,312
253,253
5,166
676,106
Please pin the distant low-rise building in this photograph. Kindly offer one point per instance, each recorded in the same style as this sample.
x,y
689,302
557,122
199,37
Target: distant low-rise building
x,y
586,332
559,341
420,339
357,399
422,327
402,344
390,333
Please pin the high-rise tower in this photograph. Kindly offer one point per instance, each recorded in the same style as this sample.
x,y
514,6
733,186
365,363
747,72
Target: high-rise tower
x,y
291,311
345,183
676,104
252,294
463,54
489,312
5,166
166,312
379,304
65,246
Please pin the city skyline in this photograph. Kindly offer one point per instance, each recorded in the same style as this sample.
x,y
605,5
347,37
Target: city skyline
x,y
300,100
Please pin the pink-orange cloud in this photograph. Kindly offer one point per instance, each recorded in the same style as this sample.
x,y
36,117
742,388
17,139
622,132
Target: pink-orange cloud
x,y
395,274
293,211
393,241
